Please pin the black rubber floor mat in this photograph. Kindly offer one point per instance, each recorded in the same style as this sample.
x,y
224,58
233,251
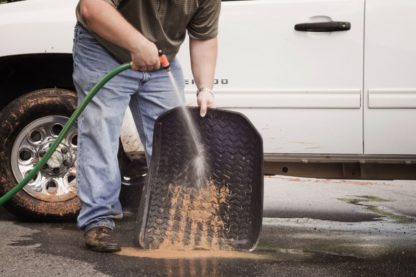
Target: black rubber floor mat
x,y
225,213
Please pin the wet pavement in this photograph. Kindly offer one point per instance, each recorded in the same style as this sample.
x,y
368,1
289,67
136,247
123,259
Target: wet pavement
x,y
311,227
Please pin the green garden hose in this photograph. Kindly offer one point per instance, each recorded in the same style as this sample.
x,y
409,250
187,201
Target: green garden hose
x,y
64,130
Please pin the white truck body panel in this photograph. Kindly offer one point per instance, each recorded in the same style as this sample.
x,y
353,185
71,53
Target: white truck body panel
x,y
390,82
37,26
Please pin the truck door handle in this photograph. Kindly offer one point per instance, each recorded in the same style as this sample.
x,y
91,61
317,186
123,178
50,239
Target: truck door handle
x,y
332,26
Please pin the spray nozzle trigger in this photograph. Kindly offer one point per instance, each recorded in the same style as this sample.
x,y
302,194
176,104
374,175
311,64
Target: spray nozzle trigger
x,y
164,62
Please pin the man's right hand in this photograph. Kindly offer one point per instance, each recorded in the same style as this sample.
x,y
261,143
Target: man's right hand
x,y
145,57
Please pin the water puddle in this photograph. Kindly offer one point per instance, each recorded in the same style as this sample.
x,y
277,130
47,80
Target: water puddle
x,y
368,202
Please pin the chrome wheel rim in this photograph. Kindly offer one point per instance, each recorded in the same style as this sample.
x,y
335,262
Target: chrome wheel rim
x,y
55,182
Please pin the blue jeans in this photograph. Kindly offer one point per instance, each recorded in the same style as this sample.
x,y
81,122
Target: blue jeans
x,y
149,94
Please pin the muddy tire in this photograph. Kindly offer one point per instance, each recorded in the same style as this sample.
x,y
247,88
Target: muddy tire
x,y
27,127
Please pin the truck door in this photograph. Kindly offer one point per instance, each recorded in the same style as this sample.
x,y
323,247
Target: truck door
x,y
390,81
301,89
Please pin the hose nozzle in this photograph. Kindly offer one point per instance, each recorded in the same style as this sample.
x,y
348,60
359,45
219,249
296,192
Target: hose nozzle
x,y
164,62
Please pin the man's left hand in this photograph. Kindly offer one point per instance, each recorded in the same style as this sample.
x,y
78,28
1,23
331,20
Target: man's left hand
x,y
205,100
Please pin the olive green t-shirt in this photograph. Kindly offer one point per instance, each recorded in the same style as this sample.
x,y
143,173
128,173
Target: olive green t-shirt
x,y
165,22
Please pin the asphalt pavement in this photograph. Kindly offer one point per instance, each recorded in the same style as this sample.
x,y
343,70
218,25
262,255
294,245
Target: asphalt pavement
x,y
311,227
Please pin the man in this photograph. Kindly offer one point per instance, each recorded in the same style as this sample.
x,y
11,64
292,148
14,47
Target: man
x,y
111,32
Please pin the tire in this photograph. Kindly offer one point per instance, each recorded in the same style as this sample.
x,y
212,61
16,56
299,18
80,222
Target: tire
x,y
27,126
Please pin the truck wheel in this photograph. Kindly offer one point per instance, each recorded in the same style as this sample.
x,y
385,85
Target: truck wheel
x,y
28,125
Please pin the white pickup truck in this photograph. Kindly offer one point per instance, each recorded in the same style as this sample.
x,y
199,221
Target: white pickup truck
x,y
322,80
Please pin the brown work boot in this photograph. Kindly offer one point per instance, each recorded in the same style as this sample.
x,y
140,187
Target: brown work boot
x,y
101,239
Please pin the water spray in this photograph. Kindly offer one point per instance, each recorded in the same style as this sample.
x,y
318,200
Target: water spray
x,y
198,167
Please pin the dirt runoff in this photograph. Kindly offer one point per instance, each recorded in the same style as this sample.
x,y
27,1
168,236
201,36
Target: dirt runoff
x,y
196,226
194,220
188,254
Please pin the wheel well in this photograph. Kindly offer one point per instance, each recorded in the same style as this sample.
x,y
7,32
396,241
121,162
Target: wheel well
x,y
24,73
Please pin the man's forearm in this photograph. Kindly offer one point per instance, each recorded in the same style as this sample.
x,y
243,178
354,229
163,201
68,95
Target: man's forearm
x,y
104,20
203,61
